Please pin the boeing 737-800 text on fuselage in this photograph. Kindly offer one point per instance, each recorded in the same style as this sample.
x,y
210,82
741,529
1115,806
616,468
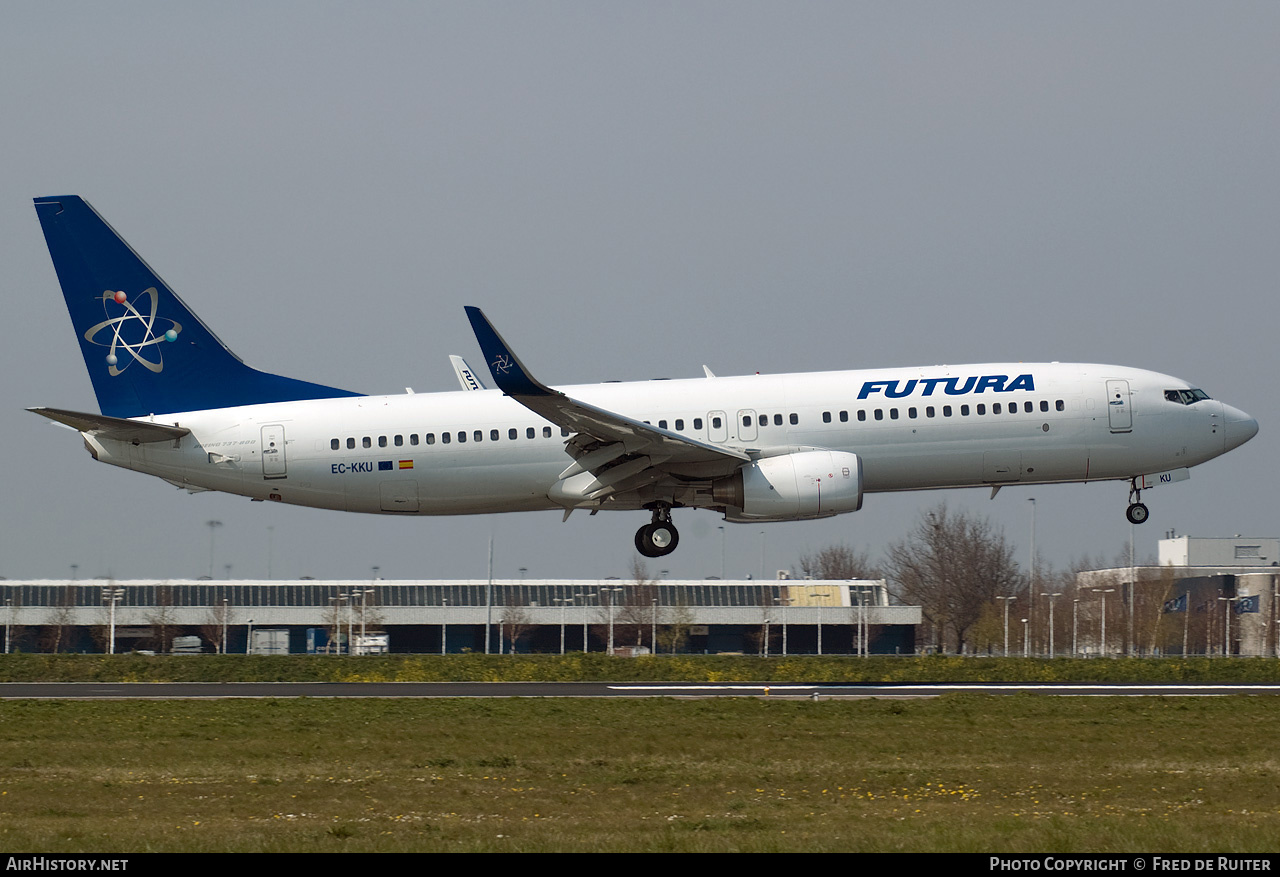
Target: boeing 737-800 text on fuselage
x,y
177,404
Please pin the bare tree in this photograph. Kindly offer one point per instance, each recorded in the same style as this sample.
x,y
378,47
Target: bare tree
x,y
838,562
635,616
163,619
516,620
216,620
676,622
62,615
953,566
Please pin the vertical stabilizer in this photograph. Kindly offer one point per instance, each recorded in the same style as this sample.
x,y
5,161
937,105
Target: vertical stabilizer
x,y
146,352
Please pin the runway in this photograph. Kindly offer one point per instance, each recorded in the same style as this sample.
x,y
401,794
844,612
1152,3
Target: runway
x,y
787,690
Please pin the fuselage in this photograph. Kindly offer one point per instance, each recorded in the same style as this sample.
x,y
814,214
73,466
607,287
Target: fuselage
x,y
912,428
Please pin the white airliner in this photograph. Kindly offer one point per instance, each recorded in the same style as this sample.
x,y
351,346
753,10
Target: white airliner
x,y
177,404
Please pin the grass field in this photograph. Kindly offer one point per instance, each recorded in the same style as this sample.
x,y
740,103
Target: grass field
x,y
960,773
601,667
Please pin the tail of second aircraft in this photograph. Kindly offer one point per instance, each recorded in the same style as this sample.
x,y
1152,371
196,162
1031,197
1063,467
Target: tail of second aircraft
x,y
146,352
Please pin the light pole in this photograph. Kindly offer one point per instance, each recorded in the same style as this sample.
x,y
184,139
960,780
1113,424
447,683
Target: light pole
x,y
1075,626
1226,616
653,633
8,617
248,643
1104,592
816,594
611,601
1006,601
1031,580
444,624
1026,640
585,598
226,615
721,553
563,601
112,596
1052,600
784,602
337,602
364,598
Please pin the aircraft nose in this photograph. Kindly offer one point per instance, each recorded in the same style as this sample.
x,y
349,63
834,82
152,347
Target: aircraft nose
x,y
1240,427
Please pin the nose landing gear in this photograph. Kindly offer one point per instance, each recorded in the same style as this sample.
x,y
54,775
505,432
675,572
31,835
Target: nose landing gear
x,y
660,537
1137,512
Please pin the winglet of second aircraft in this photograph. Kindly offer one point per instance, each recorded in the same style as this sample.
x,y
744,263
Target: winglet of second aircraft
x,y
510,375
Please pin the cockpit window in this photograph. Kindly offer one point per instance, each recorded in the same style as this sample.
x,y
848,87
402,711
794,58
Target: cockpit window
x,y
1185,397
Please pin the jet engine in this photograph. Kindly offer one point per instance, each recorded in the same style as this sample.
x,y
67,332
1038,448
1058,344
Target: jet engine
x,y
790,487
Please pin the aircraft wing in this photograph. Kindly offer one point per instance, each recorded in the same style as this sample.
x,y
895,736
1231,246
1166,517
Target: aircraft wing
x,y
117,428
628,451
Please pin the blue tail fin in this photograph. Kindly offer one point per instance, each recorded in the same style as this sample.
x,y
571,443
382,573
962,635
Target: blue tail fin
x,y
146,352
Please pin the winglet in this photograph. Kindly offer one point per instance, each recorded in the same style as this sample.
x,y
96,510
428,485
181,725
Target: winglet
x,y
510,375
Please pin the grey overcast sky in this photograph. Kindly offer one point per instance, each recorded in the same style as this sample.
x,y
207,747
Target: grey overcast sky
x,y
631,190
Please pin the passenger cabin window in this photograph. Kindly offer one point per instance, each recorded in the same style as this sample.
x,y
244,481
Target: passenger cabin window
x,y
679,424
715,422
862,414
413,439
844,416
334,444
697,423
351,443
530,432
513,433
367,442
430,438
826,417
546,432
445,438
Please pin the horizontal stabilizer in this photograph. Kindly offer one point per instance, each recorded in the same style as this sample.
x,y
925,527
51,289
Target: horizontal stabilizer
x,y
115,428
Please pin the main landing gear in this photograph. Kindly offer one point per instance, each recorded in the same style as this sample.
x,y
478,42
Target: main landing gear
x,y
1137,512
660,537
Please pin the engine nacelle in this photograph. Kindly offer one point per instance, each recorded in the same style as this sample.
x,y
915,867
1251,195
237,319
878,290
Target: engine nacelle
x,y
790,487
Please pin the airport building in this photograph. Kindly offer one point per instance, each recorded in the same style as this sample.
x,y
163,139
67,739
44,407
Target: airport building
x,y
1206,596
432,617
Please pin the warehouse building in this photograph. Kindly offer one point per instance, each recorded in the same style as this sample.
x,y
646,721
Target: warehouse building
x,y
433,617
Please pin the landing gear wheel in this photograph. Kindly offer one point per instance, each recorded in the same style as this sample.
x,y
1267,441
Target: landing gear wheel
x,y
1137,513
657,539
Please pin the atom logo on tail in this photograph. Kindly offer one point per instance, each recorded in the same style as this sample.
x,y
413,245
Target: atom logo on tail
x,y
125,335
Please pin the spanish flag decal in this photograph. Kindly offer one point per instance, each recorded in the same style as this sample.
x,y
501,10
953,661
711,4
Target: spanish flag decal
x,y
406,464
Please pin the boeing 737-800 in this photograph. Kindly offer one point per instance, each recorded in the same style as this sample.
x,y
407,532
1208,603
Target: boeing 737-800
x,y
177,404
